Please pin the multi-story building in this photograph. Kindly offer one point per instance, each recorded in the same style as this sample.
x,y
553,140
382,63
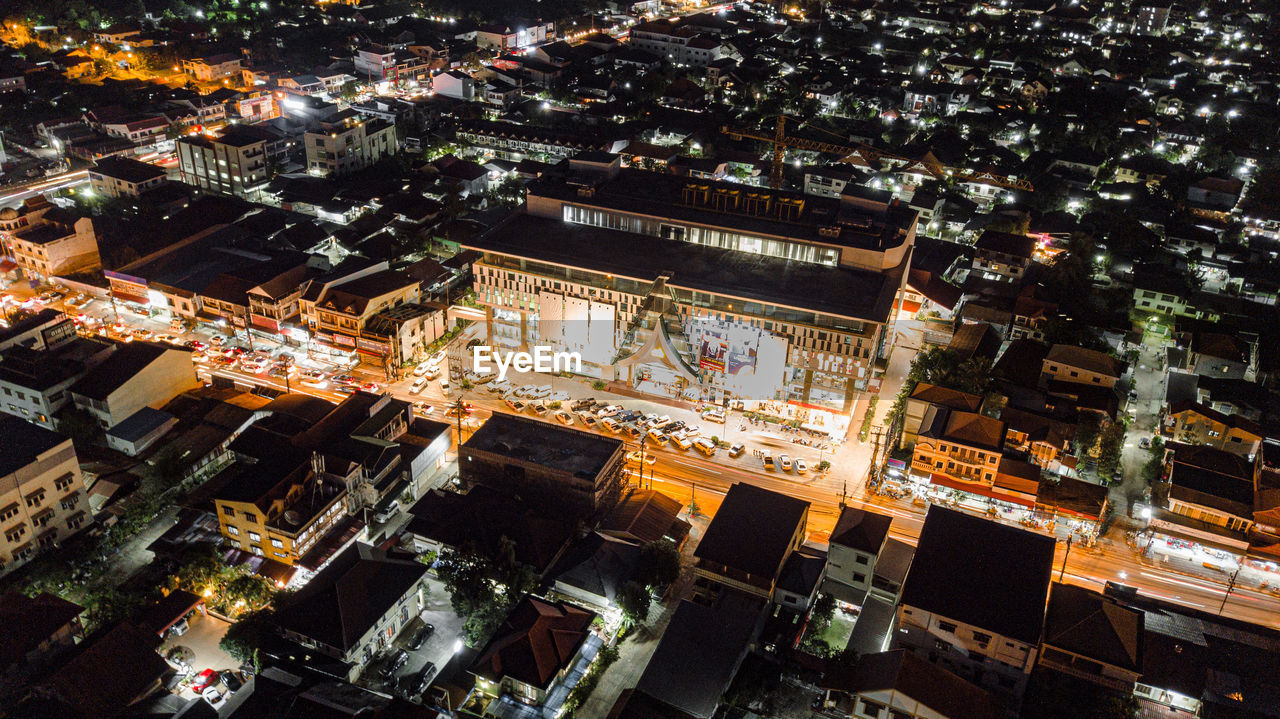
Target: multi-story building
x,y
1093,637
677,43
34,383
961,610
699,288
234,163
554,632
1212,486
510,141
136,375
1002,255
42,498
1150,19
857,540
124,177
348,143
507,38
754,545
338,313
376,64
562,470
960,446
1193,423
212,68
58,243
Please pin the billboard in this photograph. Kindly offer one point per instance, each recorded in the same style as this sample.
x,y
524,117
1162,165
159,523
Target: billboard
x,y
714,352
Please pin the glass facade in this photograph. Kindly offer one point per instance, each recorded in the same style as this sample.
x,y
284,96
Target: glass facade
x,y
702,235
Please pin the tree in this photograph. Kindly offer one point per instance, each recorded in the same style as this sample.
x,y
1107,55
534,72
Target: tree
x,y
483,588
1110,446
658,565
634,600
1154,466
255,591
81,426
1088,427
248,635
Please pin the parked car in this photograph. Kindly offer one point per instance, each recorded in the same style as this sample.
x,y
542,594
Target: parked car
x,y
419,637
657,438
230,680
784,462
539,409
800,466
563,417
179,628
609,424
588,421
396,659
418,385
205,678
582,404
213,696
768,461
515,404
714,415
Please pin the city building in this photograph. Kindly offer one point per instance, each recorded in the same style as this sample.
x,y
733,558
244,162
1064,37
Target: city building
x,y
34,383
534,648
926,395
856,542
124,177
508,38
899,685
237,162
978,614
697,288
677,43
1191,422
348,143
1150,19
356,605
755,538
557,468
42,500
59,243
338,312
959,446
1210,485
136,375
511,141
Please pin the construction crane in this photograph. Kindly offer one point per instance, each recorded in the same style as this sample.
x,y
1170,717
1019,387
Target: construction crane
x,y
853,152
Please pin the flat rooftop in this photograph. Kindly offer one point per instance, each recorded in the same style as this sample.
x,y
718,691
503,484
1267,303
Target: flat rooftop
x,y
527,440
664,196
841,291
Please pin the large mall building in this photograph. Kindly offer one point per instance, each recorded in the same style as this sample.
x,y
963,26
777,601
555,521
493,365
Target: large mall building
x,y
711,291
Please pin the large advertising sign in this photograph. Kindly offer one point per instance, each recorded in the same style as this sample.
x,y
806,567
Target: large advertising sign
x,y
714,353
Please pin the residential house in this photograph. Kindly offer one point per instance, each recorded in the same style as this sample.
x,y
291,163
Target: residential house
x,y
960,610
1220,355
749,545
897,684
856,542
93,685
338,313
1194,423
124,177
34,630
1093,637
34,383
1002,255
926,395
42,498
136,375
235,163
1210,485
212,68
1077,365
356,605
534,648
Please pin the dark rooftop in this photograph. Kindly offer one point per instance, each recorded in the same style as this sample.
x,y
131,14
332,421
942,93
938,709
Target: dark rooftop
x,y
579,453
1087,623
982,573
21,442
127,169
842,291
128,360
861,529
753,530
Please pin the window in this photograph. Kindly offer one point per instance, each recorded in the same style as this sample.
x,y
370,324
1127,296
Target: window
x,y
251,517
255,537
233,530
229,511
947,627
862,560
62,482
981,637
869,708
277,543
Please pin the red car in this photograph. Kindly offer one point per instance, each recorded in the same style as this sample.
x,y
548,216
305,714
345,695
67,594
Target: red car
x,y
206,678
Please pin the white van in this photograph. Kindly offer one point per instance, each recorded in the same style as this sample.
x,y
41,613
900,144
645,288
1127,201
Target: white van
x,y
445,387
714,415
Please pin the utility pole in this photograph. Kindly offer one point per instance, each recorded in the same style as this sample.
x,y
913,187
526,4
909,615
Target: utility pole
x,y
1230,587
1063,571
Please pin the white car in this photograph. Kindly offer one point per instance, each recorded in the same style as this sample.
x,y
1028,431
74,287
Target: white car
x,y
561,396
418,385
611,425
714,415
423,408
213,696
317,382
421,369
784,462
801,467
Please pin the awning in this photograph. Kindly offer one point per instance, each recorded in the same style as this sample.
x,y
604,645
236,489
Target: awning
x,y
1199,536
8,265
128,297
945,481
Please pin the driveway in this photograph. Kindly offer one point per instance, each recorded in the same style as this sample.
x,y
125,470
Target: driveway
x,y
202,638
443,643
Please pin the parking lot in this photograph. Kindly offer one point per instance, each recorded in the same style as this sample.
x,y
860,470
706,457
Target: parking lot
x,y
202,639
443,643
